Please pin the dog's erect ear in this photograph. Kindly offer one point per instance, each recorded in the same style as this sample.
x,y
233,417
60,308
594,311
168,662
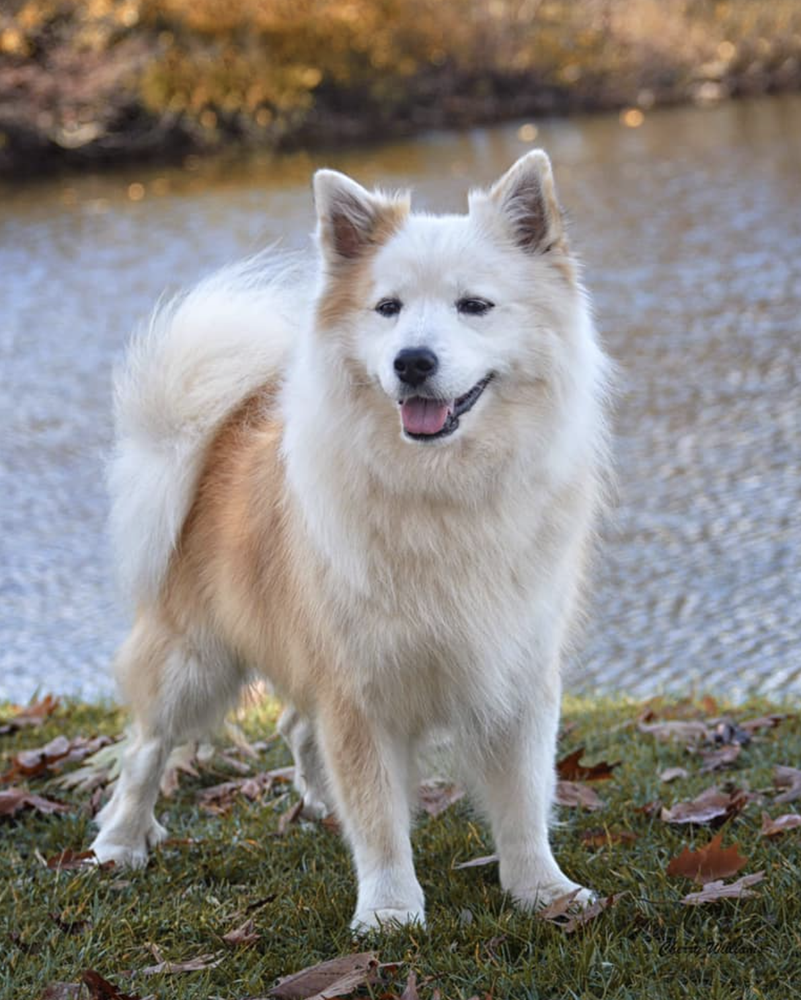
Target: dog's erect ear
x,y
526,199
352,220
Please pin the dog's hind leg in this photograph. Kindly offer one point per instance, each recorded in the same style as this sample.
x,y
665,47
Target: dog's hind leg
x,y
310,777
177,690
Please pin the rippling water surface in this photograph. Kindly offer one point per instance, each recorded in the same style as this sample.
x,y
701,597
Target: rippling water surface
x,y
690,228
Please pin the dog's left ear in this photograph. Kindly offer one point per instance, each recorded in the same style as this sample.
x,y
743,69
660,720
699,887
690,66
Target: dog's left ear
x,y
526,198
351,220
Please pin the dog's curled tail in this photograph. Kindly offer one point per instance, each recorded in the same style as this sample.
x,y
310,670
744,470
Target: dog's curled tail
x,y
202,353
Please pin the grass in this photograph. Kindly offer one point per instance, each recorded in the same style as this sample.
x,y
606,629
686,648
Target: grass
x,y
299,889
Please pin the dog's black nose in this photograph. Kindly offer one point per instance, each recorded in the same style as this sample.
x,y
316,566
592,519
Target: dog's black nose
x,y
413,365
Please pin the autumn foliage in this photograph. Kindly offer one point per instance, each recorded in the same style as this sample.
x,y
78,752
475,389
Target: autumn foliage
x,y
152,72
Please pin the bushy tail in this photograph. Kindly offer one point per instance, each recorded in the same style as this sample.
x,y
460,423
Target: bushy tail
x,y
200,356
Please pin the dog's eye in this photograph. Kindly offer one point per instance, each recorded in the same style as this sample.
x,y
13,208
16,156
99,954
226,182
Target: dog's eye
x,y
474,307
388,307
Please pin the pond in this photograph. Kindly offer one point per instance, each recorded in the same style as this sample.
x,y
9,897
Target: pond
x,y
690,229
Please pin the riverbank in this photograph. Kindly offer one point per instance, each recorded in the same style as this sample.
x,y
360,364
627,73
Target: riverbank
x,y
122,80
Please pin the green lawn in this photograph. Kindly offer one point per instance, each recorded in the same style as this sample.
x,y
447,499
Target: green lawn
x,y
297,887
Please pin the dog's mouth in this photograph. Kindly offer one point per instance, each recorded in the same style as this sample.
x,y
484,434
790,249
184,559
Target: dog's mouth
x,y
426,419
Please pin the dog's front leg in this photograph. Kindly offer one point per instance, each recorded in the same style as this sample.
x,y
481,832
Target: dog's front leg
x,y
516,784
369,770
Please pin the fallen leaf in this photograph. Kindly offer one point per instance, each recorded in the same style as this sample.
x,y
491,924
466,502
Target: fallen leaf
x,y
290,816
569,920
675,730
715,760
437,796
101,989
572,794
410,991
569,768
69,859
242,935
52,757
763,722
99,767
218,799
487,859
708,863
14,799
711,806
559,906
30,715
334,978
209,961
601,837
672,773
590,912
789,778
774,827
714,891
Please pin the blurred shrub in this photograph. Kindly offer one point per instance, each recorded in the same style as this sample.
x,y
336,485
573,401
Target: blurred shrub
x,y
256,66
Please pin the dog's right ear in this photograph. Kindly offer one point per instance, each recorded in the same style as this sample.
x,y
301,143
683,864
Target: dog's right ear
x,y
352,221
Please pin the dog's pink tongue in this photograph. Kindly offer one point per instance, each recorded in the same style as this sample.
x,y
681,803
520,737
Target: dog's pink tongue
x,y
424,416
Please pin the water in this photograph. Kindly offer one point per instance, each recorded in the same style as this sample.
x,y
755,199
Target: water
x,y
690,228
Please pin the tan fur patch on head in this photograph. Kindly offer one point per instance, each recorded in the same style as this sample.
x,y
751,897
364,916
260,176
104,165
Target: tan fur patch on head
x,y
348,278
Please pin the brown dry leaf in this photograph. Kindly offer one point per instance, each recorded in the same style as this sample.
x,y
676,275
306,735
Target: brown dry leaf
x,y
569,768
573,794
218,799
487,859
101,989
715,760
601,837
789,778
336,978
410,990
52,757
559,907
209,961
290,816
763,722
242,935
437,796
675,730
69,859
14,799
708,863
590,912
774,827
711,806
672,773
714,891
30,715
569,920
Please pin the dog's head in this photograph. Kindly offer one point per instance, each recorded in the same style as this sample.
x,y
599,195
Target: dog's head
x,y
434,321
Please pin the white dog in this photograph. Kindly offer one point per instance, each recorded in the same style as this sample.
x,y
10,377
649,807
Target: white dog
x,y
372,480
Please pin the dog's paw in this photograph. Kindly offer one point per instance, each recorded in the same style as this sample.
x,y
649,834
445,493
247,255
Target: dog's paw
x,y
124,849
367,921
314,808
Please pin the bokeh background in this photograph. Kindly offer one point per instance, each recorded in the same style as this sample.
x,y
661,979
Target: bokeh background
x,y
144,143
